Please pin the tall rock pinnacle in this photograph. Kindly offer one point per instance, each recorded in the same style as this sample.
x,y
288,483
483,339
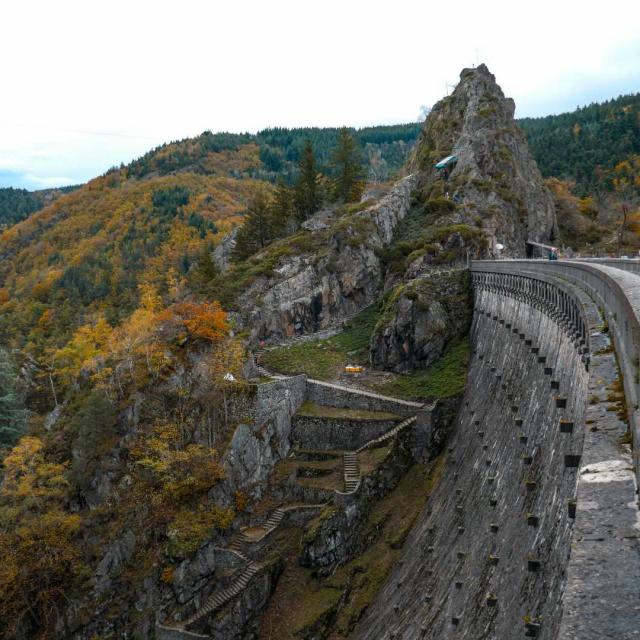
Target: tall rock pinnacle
x,y
493,178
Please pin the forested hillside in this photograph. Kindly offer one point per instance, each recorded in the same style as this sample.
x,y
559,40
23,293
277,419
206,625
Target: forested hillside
x,y
267,155
585,144
105,310
18,204
580,146
84,257
273,153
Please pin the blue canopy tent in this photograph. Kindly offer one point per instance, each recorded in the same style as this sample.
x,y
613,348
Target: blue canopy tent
x,y
446,165
449,161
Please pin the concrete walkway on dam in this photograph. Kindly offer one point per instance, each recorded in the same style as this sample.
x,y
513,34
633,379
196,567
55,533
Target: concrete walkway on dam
x,y
533,531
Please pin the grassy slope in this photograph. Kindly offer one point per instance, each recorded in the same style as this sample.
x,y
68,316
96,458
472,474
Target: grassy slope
x,y
324,359
446,378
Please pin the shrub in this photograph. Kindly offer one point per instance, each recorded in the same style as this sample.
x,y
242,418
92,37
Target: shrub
x,y
439,206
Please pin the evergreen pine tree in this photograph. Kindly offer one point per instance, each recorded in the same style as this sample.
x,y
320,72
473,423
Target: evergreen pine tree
x,y
346,160
307,191
282,209
204,273
12,411
257,231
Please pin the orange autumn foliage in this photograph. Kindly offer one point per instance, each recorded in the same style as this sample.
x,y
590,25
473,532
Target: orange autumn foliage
x,y
204,321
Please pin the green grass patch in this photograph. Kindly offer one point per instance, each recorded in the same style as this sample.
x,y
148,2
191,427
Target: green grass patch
x,y
300,603
324,359
443,379
313,410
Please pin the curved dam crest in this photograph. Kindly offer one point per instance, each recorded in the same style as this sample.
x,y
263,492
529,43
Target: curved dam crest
x,y
533,529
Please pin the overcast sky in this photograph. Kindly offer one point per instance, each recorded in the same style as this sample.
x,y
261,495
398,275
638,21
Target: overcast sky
x,y
86,85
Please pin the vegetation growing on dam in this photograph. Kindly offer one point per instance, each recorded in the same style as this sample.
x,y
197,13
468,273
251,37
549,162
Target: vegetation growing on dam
x,y
305,602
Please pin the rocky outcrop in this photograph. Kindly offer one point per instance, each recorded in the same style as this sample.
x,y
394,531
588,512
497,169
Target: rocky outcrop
x,y
257,446
336,273
116,556
421,317
495,183
190,576
222,253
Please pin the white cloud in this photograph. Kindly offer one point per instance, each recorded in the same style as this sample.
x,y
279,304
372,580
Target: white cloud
x,y
147,72
50,181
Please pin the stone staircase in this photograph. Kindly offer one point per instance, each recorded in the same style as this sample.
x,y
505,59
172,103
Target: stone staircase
x,y
236,546
260,369
389,434
350,458
174,633
270,524
351,472
220,598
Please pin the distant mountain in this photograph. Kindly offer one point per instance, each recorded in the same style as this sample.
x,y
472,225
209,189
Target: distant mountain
x,y
275,152
18,204
576,146
580,144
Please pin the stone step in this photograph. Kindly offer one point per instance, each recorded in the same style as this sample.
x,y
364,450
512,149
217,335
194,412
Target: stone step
x,y
351,471
164,632
389,434
220,598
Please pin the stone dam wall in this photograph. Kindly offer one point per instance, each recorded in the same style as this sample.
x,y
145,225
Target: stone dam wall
x,y
534,530
498,526
614,287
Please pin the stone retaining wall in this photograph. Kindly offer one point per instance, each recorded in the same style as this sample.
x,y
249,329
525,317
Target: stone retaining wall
x,y
333,395
336,433
338,537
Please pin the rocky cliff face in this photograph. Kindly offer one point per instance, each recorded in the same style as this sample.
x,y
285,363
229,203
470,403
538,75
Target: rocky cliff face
x,y
495,183
338,272
421,317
